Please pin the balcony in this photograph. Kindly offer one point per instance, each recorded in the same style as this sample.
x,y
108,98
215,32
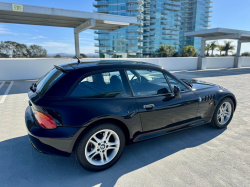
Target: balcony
x,y
152,22
152,16
100,51
164,22
104,10
209,1
169,38
164,17
135,7
101,45
101,37
153,10
147,5
172,8
135,38
146,17
170,33
146,23
177,19
208,20
208,15
135,30
140,2
208,11
151,33
206,25
173,3
152,28
208,6
164,12
101,32
147,11
100,4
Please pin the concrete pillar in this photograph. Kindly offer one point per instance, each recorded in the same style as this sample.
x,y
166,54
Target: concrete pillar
x,y
202,61
77,46
238,58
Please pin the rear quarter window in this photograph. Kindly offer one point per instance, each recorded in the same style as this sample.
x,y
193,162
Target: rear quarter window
x,y
48,80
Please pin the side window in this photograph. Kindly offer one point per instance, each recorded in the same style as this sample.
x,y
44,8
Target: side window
x,y
147,82
173,83
100,85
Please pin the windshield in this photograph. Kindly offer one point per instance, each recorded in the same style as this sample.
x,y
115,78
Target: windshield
x,y
48,80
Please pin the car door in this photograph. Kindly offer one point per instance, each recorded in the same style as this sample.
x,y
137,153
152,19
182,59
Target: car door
x,y
158,107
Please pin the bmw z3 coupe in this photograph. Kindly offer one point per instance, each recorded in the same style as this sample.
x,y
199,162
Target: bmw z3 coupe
x,y
96,108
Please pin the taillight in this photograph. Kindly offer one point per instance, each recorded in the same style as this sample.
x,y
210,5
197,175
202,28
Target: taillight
x,y
45,120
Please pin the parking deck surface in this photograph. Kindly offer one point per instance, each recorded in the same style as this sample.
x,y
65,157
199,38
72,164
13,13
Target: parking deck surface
x,y
201,156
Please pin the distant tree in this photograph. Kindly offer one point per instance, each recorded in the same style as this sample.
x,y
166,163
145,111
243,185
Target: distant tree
x,y
189,50
207,48
195,54
227,46
213,46
83,55
114,56
220,48
36,51
176,54
245,54
58,56
162,49
169,50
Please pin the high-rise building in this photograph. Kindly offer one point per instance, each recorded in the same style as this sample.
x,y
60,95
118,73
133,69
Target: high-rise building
x,y
159,22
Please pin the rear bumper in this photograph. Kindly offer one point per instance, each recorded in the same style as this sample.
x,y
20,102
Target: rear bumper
x,y
59,141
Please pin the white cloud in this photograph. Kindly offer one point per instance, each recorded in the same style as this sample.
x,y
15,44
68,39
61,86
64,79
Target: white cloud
x,y
92,39
4,30
38,37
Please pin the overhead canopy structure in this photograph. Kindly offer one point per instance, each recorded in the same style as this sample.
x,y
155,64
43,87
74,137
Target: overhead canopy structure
x,y
217,34
79,20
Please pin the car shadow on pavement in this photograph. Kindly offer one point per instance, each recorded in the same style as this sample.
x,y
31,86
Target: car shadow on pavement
x,y
22,166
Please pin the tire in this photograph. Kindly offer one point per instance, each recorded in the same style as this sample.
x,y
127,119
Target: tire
x,y
94,154
224,119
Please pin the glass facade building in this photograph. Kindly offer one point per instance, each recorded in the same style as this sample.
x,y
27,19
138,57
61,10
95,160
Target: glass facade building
x,y
159,22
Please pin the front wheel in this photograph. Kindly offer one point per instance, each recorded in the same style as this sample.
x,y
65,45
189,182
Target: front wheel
x,y
223,113
100,147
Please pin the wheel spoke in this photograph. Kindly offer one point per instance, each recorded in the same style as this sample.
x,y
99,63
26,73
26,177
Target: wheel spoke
x,y
105,155
106,133
94,143
225,107
102,157
91,152
222,119
227,114
96,139
92,156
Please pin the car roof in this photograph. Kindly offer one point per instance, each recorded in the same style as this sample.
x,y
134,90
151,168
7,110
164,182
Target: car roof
x,y
118,63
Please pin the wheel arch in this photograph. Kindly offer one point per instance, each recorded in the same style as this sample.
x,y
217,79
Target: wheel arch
x,y
107,120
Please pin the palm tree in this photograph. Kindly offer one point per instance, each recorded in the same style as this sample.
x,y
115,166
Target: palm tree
x,y
213,46
228,47
162,49
189,50
207,48
220,48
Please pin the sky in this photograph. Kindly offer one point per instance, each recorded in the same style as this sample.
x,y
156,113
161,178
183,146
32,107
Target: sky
x,y
226,14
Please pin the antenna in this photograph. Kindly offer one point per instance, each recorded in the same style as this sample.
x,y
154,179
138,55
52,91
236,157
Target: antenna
x,y
78,60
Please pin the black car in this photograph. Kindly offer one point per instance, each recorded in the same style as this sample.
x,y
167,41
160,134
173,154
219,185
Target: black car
x,y
96,108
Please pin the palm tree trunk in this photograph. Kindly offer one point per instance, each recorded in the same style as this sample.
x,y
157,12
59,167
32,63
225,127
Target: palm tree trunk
x,y
212,52
220,53
161,54
226,52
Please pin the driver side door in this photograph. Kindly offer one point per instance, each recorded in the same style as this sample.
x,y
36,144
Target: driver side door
x,y
157,104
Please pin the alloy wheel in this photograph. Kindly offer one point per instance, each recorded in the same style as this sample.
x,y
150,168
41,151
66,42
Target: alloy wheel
x,y
102,147
224,113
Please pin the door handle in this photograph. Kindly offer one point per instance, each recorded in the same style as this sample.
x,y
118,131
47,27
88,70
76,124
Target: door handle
x,y
150,106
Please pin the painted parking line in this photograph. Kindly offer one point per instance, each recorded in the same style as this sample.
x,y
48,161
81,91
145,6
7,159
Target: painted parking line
x,y
1,85
6,92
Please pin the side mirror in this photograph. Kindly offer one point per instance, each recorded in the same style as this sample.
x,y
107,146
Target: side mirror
x,y
177,92
162,91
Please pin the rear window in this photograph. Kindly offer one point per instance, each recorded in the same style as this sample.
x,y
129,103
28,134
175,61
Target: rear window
x,y
45,83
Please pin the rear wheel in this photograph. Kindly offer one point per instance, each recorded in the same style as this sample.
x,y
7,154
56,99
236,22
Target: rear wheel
x,y
100,147
223,113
